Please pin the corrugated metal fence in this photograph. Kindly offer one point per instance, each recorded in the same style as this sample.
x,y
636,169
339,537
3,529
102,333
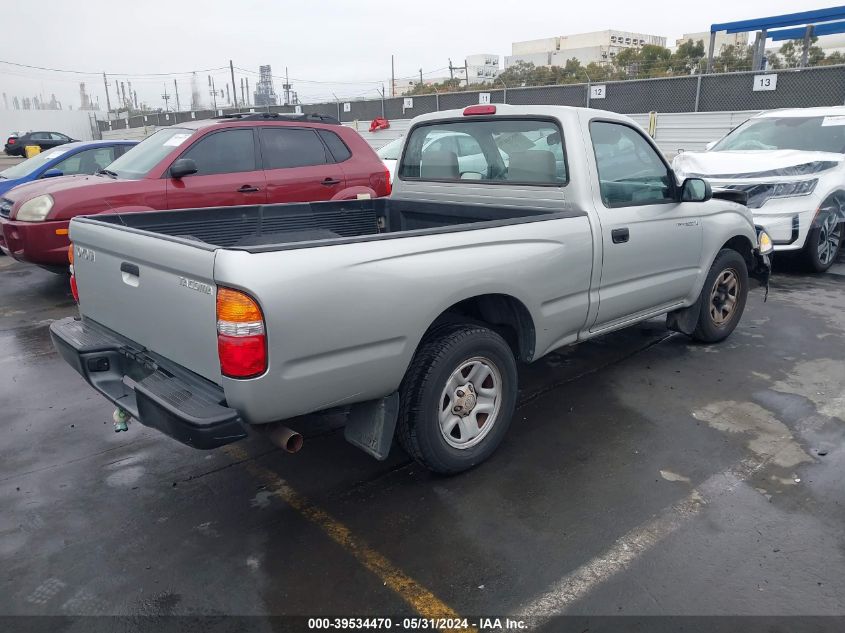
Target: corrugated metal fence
x,y
687,131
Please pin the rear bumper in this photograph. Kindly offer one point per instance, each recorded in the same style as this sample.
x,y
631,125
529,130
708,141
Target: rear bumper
x,y
159,395
35,242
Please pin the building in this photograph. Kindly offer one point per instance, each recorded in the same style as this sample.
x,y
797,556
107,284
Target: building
x,y
598,46
481,68
264,93
723,39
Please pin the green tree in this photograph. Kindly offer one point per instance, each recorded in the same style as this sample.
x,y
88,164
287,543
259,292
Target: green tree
x,y
687,59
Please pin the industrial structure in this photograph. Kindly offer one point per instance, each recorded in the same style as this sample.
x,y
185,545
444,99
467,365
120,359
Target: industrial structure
x,y
265,95
598,46
791,26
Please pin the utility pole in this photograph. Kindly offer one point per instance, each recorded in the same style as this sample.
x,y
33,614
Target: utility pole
x,y
176,90
108,100
451,73
213,92
466,72
246,80
421,79
228,98
123,94
135,94
287,87
234,88
129,83
243,98
166,97
392,78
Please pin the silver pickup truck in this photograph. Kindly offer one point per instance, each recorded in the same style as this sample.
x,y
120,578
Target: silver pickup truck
x,y
511,231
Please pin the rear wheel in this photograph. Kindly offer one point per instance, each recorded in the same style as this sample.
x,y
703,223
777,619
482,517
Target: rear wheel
x,y
825,238
722,297
457,398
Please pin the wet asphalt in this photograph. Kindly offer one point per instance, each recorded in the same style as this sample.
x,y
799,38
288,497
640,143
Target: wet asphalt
x,y
642,475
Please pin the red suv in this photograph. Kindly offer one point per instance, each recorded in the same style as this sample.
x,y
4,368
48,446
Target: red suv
x,y
242,159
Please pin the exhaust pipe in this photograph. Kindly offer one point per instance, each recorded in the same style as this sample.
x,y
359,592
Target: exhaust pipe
x,y
285,438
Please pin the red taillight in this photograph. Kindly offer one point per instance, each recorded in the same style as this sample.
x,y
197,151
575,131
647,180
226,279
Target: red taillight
x,y
480,109
241,339
242,356
12,141
73,289
380,182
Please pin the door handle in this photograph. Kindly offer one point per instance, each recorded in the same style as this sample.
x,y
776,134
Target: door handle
x,y
330,181
619,236
247,189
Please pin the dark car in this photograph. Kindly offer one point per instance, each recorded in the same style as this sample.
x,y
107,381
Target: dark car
x,y
45,140
249,159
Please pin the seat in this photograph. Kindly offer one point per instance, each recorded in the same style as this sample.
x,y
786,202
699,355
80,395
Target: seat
x,y
536,165
437,165
88,164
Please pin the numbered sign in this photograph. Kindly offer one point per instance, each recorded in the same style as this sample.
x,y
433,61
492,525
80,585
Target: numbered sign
x,y
193,115
298,109
408,103
765,82
483,98
347,107
598,91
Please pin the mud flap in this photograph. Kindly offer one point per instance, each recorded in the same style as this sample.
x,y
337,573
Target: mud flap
x,y
685,320
371,425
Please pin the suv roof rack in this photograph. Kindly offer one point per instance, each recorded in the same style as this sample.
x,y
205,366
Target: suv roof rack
x,y
276,116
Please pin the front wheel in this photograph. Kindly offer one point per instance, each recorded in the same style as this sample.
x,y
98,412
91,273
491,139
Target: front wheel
x,y
457,398
825,238
722,297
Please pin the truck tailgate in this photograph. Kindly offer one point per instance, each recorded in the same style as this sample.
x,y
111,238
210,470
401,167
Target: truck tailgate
x,y
155,291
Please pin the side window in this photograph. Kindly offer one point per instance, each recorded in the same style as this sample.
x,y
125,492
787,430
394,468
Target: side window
x,y
40,136
226,152
291,147
58,137
88,162
336,146
631,172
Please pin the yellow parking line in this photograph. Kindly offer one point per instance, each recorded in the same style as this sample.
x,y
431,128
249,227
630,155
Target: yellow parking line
x,y
418,597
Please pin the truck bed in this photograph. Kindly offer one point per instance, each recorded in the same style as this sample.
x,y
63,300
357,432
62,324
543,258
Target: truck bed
x,y
261,228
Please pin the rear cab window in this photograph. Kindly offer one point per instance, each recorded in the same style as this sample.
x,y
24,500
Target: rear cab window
x,y
497,151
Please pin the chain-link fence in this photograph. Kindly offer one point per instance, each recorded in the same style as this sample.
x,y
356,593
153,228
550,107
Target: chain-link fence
x,y
819,86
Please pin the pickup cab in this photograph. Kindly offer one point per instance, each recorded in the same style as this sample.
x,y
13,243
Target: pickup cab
x,y
411,312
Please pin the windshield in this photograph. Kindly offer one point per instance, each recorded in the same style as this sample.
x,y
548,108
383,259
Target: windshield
x,y
815,134
30,166
138,161
391,150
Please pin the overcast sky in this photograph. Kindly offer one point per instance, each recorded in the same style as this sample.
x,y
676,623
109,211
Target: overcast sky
x,y
328,46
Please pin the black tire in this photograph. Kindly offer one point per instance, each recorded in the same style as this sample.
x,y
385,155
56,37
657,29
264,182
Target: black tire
x,y
710,327
825,230
441,354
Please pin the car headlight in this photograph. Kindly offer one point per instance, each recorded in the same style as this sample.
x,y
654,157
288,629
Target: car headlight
x,y
765,242
35,210
758,195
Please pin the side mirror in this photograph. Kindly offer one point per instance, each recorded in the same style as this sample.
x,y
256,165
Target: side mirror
x,y
696,190
182,167
709,146
52,173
